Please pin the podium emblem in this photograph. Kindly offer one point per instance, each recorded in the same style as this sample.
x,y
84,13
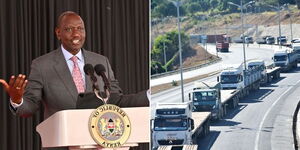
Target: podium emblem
x,y
109,126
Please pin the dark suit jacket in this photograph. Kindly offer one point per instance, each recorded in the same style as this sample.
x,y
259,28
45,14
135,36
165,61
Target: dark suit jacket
x,y
51,83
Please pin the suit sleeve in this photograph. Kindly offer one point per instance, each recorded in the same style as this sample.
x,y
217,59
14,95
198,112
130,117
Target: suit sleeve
x,y
33,92
118,98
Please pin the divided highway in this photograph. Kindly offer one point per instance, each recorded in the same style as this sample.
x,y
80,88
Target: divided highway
x,y
263,119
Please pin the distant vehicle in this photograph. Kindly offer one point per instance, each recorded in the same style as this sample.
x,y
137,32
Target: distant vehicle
x,y
237,40
261,41
249,39
281,40
296,40
222,46
270,40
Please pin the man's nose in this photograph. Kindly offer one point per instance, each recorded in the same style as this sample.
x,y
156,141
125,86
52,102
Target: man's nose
x,y
76,33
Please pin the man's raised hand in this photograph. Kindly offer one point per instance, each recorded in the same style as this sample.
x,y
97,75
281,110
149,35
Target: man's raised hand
x,y
15,88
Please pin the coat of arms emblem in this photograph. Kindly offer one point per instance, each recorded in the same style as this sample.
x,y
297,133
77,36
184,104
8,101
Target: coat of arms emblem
x,y
109,126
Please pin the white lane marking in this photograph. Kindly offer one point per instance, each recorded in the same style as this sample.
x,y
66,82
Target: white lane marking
x,y
265,116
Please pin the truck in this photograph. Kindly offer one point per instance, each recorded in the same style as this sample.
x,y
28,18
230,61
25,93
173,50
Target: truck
x,y
285,58
296,48
175,125
268,73
281,40
207,97
213,38
218,97
222,46
270,40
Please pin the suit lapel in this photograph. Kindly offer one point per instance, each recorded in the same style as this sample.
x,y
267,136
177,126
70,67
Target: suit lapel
x,y
63,72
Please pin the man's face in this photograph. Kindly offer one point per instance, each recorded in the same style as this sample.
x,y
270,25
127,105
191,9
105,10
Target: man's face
x,y
71,33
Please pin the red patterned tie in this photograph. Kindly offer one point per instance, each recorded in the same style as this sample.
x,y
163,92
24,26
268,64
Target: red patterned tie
x,y
77,77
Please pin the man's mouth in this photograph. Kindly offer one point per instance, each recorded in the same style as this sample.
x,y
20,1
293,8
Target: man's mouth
x,y
75,42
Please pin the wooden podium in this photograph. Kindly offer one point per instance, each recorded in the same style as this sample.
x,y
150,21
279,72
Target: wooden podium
x,y
69,128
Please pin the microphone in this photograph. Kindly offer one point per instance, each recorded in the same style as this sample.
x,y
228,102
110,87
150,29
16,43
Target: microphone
x,y
89,70
100,71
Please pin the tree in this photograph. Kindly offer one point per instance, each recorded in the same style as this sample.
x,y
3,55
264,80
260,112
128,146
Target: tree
x,y
170,41
193,7
156,67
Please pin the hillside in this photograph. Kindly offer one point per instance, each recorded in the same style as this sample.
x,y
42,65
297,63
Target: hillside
x,y
265,23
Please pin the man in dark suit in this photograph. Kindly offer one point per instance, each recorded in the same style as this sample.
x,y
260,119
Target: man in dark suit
x,y
56,78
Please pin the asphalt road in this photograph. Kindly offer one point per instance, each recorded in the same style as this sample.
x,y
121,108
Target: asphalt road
x,y
263,119
234,56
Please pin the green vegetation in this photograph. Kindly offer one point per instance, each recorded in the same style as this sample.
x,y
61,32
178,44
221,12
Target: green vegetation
x,y
169,42
164,8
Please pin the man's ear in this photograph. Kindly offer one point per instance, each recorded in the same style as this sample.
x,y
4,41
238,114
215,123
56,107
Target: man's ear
x,y
57,32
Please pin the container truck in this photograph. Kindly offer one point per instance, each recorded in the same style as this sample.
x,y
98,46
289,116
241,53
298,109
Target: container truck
x,y
285,58
222,46
207,97
296,48
175,125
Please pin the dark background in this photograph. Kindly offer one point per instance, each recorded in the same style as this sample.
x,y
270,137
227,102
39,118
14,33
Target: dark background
x,y
118,29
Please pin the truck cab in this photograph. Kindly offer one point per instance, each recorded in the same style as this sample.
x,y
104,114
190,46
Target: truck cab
x,y
232,77
260,66
172,124
206,97
285,58
296,48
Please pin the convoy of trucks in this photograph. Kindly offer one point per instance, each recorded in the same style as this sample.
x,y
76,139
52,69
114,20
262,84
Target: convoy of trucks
x,y
235,83
179,125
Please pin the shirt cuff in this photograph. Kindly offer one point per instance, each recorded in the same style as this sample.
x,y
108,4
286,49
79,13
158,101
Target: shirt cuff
x,y
149,94
15,105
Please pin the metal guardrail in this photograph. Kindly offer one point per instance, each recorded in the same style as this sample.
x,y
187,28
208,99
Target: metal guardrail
x,y
184,69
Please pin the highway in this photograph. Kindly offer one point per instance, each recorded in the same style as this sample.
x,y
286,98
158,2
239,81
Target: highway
x,y
235,56
263,119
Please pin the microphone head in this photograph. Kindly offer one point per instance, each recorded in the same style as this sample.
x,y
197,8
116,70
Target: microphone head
x,y
99,68
88,69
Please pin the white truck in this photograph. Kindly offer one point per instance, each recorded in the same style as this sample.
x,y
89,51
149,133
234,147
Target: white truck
x,y
268,73
285,58
218,97
175,125
296,49
207,97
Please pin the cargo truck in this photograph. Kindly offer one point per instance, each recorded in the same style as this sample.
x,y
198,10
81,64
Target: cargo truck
x,y
207,97
175,125
285,58
218,97
296,48
222,46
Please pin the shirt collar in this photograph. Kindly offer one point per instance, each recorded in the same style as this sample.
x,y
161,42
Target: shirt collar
x,y
68,55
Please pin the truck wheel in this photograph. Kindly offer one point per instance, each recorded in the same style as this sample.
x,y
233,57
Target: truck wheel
x,y
269,79
221,114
